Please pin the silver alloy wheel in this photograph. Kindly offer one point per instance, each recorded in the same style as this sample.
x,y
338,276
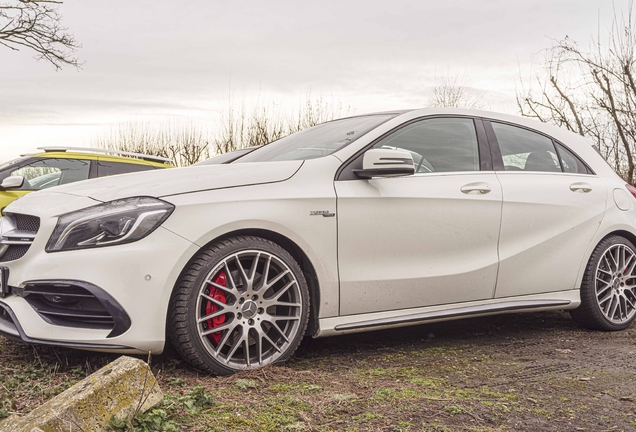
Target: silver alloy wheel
x,y
616,283
260,314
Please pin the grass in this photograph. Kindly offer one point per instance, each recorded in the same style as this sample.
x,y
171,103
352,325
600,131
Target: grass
x,y
368,382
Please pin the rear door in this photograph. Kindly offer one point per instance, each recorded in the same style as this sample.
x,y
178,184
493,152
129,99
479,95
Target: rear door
x,y
424,239
552,206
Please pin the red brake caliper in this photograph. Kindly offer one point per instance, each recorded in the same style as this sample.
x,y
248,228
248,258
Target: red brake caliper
x,y
218,295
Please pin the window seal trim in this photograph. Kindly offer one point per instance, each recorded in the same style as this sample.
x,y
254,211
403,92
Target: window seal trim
x,y
92,170
483,146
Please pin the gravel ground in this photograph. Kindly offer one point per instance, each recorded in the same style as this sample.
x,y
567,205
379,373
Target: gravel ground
x,y
529,372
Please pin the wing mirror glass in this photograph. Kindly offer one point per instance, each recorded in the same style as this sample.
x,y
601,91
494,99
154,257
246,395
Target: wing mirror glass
x,y
12,182
385,163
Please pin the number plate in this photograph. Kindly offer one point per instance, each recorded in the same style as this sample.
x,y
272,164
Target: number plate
x,y
4,277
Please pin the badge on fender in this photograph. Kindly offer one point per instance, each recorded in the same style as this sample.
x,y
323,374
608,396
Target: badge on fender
x,y
323,213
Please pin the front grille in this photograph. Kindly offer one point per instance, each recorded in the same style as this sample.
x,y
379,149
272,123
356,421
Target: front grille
x,y
18,232
27,222
14,252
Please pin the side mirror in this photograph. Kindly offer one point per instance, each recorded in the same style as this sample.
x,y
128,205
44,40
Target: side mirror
x,y
13,182
385,163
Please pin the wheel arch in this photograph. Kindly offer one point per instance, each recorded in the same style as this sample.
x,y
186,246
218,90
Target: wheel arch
x,y
623,231
301,258
591,314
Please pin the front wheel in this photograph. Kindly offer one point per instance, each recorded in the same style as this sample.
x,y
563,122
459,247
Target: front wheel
x,y
242,303
608,290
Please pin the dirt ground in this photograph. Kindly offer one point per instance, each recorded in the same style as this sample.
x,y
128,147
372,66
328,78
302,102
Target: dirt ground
x,y
529,372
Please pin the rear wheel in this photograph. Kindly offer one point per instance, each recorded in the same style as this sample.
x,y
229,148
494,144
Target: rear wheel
x,y
242,303
608,290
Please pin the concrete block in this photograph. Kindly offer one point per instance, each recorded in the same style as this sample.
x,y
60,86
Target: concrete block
x,y
116,389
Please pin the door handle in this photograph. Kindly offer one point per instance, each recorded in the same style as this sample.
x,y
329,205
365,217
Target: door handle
x,y
476,188
581,187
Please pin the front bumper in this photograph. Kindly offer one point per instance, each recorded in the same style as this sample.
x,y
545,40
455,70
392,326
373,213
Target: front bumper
x,y
10,328
139,277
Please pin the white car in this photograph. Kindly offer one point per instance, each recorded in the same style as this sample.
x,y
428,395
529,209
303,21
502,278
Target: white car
x,y
363,223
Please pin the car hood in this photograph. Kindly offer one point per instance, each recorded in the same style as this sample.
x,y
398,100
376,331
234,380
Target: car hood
x,y
166,182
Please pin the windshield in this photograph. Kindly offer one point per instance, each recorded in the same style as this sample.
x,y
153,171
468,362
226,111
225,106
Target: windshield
x,y
317,141
12,162
226,157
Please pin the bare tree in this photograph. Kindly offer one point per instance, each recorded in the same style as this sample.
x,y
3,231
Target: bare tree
x,y
591,91
454,92
265,122
35,24
186,143
189,142
247,127
134,137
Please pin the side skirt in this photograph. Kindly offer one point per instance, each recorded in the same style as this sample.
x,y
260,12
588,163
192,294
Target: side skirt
x,y
380,320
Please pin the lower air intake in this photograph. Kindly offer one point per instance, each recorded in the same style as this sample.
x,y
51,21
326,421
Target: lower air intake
x,y
76,304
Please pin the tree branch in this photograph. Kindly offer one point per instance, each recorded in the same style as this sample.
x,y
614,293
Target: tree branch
x,y
570,104
35,25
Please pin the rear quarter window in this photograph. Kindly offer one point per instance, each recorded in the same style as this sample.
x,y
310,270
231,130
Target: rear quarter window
x,y
570,162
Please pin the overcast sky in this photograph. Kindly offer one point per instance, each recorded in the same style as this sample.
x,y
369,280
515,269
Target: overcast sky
x,y
157,60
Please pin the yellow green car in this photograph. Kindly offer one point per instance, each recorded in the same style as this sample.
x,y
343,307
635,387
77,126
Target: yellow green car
x,y
55,166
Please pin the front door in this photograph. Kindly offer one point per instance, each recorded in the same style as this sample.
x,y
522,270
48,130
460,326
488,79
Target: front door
x,y
425,239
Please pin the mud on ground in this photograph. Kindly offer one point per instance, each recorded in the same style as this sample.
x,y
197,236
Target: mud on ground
x,y
529,372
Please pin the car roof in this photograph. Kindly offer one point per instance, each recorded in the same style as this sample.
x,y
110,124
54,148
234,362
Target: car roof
x,y
559,133
103,155
556,132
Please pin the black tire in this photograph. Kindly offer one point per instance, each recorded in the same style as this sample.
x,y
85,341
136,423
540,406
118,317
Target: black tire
x,y
590,313
188,300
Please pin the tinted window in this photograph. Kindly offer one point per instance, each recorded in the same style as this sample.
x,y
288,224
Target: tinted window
x,y
523,150
570,162
45,173
317,141
438,145
112,168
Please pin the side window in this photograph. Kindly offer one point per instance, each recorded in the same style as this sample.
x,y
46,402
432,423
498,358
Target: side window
x,y
523,150
45,173
438,145
570,162
112,168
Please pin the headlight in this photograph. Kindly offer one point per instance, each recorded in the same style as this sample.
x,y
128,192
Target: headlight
x,y
109,224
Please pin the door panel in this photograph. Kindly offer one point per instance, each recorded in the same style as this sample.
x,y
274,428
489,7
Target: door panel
x,y
548,221
417,241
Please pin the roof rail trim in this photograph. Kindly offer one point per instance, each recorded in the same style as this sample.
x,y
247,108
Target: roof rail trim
x,y
107,151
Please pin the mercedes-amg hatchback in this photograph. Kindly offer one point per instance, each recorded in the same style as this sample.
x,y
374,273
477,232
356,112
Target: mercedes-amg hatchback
x,y
363,223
